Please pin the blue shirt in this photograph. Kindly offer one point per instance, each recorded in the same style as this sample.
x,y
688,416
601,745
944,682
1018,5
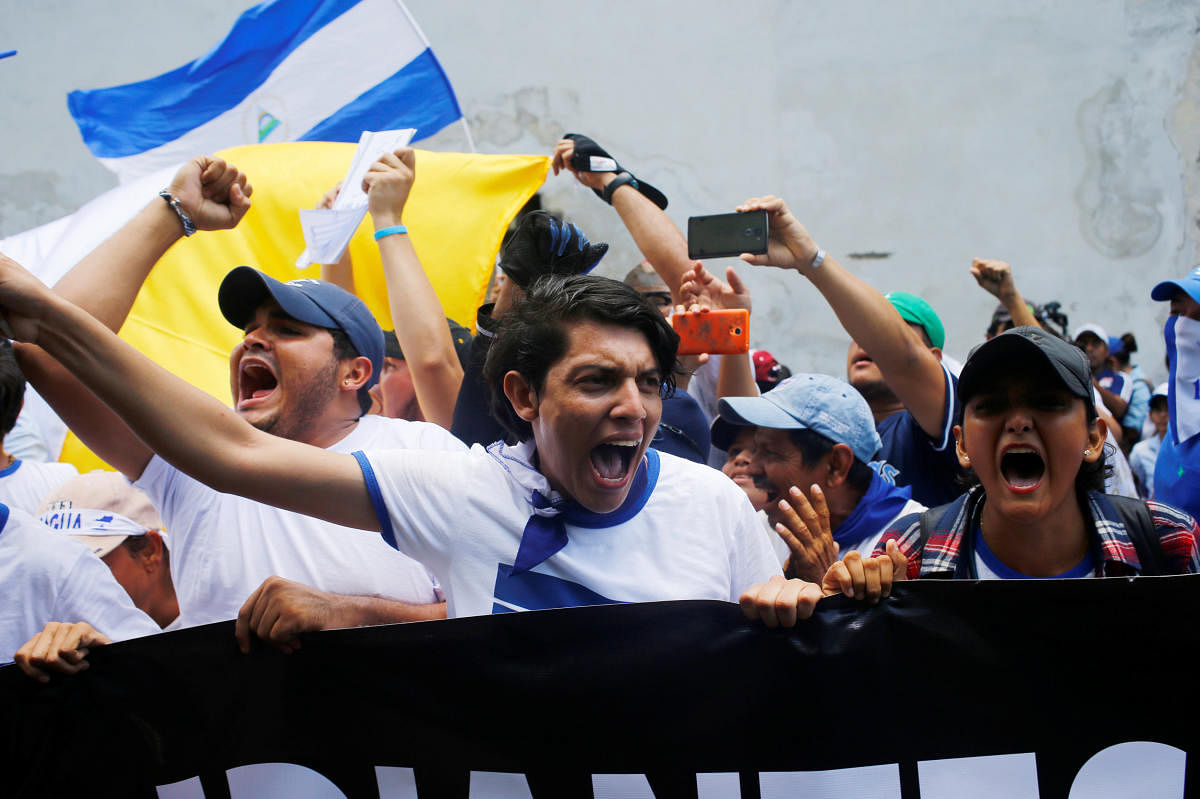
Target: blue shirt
x,y
914,459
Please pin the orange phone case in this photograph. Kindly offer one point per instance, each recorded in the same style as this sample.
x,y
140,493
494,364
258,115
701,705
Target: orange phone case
x,y
714,332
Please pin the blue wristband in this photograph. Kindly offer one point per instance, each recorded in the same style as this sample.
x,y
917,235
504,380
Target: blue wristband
x,y
387,231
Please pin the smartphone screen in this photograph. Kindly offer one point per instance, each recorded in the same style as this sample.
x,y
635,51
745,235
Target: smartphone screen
x,y
726,235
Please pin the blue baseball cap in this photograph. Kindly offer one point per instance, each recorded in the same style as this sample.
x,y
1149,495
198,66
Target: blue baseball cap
x,y
1189,285
313,302
819,403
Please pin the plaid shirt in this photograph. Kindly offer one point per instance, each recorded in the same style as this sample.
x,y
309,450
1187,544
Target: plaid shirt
x,y
1178,534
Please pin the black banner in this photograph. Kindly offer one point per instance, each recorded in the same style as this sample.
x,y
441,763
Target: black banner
x,y
1061,669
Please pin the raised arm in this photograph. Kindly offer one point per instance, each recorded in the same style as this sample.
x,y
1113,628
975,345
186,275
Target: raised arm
x,y
996,278
416,310
912,371
215,195
212,193
655,235
181,423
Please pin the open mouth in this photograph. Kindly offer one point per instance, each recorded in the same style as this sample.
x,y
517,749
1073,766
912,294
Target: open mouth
x,y
1022,469
611,461
256,382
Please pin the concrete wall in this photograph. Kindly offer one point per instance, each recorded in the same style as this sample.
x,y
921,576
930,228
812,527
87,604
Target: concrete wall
x,y
1062,137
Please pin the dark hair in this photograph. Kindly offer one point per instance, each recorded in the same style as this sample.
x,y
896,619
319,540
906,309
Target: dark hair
x,y
12,388
533,335
1158,402
813,446
137,544
344,350
1128,347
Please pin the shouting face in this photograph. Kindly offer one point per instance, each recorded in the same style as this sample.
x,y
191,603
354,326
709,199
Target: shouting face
x,y
595,414
284,374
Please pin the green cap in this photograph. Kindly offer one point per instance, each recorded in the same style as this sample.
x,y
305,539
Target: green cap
x,y
915,310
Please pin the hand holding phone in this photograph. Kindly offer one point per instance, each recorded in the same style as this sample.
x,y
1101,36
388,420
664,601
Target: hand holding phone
x,y
714,332
728,235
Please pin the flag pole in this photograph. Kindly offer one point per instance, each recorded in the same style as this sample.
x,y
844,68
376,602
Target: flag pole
x,y
463,119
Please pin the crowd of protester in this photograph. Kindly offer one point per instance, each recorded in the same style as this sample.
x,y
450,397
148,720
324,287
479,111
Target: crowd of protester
x,y
564,454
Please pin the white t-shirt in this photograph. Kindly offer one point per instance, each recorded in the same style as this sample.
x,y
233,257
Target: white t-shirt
x,y
47,576
223,546
691,533
24,484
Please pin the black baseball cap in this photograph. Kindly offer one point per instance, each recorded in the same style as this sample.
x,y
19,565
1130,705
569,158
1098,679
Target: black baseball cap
x,y
1019,347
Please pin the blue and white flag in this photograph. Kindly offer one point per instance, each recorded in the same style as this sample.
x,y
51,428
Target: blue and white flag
x,y
289,70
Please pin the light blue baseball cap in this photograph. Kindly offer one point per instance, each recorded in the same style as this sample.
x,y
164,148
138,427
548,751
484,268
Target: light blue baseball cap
x,y
814,402
1189,284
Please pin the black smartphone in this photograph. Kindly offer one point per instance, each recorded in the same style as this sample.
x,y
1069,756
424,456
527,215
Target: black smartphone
x,y
725,235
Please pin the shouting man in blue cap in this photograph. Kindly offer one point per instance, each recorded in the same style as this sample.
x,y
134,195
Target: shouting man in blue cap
x,y
1177,470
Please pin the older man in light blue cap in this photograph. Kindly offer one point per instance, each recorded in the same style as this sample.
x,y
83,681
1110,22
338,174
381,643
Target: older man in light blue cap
x,y
815,445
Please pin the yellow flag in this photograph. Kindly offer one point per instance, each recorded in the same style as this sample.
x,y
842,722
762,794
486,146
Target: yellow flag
x,y
460,206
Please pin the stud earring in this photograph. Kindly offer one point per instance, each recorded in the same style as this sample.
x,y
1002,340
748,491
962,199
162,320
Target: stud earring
x,y
1087,452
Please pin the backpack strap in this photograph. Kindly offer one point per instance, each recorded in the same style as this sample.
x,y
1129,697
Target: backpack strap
x,y
1139,526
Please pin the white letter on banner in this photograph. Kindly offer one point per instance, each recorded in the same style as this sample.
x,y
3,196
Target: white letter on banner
x,y
499,785
279,781
718,785
867,782
184,789
990,777
396,782
621,786
1134,769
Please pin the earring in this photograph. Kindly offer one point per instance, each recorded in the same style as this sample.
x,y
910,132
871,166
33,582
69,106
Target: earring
x,y
1087,452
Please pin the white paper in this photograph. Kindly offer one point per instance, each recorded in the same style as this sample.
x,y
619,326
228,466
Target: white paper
x,y
327,231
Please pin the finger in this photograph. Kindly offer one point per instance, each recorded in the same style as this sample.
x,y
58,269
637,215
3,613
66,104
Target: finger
x,y
44,641
886,572
241,628
837,580
786,610
210,168
749,602
408,157
820,506
735,283
282,634
756,260
853,563
806,601
23,659
871,579
793,543
899,561
796,525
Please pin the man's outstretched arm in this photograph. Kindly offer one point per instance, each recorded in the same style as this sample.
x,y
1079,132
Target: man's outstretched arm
x,y
215,195
188,428
911,370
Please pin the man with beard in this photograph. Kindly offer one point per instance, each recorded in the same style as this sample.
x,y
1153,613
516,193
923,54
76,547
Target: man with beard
x,y
895,359
309,354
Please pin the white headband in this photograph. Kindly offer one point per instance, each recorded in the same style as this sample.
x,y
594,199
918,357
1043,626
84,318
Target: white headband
x,y
88,521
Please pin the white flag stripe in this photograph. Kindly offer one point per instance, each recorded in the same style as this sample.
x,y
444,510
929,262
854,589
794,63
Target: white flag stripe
x,y
311,84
